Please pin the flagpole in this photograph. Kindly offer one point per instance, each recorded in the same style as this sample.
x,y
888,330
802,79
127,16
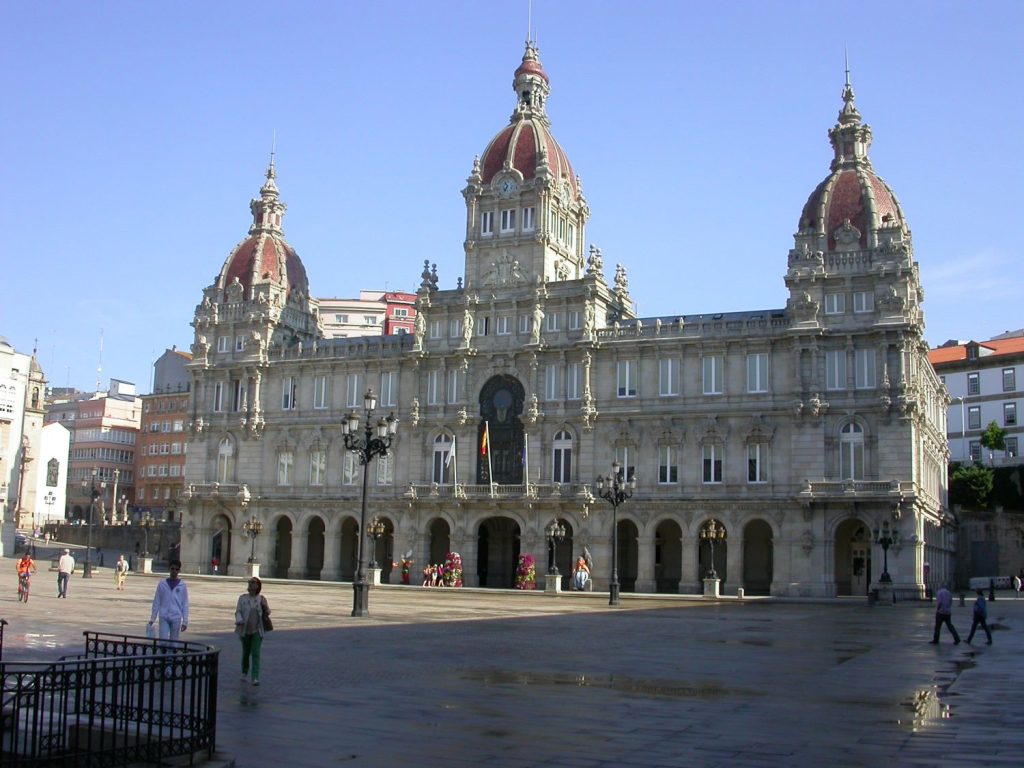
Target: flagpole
x,y
455,469
526,456
490,469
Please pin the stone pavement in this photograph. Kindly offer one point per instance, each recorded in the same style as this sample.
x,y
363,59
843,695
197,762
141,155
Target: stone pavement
x,y
473,677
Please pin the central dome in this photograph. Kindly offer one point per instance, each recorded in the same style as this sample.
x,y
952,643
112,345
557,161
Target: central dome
x,y
526,144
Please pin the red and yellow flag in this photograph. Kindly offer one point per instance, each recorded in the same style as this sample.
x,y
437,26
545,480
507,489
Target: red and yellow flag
x,y
485,441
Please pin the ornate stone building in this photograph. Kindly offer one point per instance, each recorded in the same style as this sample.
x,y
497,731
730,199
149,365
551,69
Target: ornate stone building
x,y
801,430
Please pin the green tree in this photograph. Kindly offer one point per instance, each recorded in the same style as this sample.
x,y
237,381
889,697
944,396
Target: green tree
x,y
994,438
970,485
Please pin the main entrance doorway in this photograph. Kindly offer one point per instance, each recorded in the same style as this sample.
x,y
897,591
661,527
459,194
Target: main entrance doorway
x,y
853,558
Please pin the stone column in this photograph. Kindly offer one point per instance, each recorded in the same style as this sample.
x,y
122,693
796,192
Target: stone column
x,y
734,560
297,569
646,580
332,555
689,579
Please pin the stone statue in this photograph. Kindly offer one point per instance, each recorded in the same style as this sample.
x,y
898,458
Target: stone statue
x,y
538,320
419,329
467,328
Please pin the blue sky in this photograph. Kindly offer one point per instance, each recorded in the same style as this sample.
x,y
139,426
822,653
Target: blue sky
x,y
135,135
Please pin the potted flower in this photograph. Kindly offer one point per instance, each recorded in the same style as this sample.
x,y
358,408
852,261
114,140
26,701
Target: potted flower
x,y
452,570
526,573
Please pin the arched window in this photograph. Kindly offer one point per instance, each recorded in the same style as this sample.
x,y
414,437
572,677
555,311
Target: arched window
x,y
851,452
444,459
561,458
225,460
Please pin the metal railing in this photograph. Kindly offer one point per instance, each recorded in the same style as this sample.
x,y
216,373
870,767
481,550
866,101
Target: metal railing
x,y
126,700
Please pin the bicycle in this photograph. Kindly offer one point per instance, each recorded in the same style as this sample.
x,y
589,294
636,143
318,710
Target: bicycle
x,y
24,583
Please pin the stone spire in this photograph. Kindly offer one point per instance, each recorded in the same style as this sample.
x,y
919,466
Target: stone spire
x,y
850,137
268,211
532,87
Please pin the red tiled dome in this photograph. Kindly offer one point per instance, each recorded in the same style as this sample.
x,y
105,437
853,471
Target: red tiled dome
x,y
266,258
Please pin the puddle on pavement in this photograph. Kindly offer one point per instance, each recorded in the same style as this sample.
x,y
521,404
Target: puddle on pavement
x,y
623,684
930,706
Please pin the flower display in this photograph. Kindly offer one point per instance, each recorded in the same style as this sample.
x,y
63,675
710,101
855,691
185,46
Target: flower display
x,y
452,570
406,569
526,573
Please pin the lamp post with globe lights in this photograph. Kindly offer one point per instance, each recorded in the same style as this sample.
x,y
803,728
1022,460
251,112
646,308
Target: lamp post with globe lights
x,y
555,533
145,524
252,527
95,486
615,490
376,441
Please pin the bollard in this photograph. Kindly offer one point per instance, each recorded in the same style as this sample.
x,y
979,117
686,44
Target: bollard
x,y
739,592
961,599
991,590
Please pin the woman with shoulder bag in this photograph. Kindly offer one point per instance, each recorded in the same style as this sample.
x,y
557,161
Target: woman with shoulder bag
x,y
252,620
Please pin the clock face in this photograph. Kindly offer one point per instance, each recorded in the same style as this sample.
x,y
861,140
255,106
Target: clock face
x,y
507,186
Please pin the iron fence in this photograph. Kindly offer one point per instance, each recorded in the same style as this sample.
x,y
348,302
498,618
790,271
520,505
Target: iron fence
x,y
125,700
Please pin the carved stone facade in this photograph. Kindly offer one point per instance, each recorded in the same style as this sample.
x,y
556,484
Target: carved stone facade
x,y
800,430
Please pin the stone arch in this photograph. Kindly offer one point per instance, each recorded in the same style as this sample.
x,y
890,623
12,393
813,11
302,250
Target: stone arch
x,y
758,557
281,554
668,556
348,543
220,542
501,405
498,542
852,549
315,539
439,544
629,554
382,551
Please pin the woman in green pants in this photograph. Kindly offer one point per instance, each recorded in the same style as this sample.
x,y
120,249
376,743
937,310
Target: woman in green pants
x,y
251,614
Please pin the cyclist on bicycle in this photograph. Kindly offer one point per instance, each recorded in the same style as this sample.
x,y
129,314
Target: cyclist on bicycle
x,y
26,567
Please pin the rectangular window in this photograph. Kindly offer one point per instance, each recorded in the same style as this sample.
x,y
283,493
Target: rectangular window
x,y
757,463
455,328
179,425
975,450
237,399
553,322
529,214
320,392
508,220
574,320
627,378
864,368
551,382
503,326
285,459
668,465
1009,414
713,374
835,303
385,469
974,417
218,401
668,376
436,329
863,301
835,369
712,463
1009,379
387,388
487,223
453,386
239,343
573,377
350,469
341,319
973,384
222,343
288,393
354,390
1011,447
757,372
317,467
433,387
626,456
524,323
176,449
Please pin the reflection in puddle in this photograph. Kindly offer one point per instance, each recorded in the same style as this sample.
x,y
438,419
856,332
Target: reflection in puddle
x,y
646,687
924,708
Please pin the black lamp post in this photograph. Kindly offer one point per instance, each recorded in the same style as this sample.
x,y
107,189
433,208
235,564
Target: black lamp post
x,y
50,500
252,528
95,489
145,524
376,442
555,533
615,490
885,537
712,532
375,530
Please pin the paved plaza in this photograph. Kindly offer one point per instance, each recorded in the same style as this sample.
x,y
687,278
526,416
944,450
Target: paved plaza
x,y
500,678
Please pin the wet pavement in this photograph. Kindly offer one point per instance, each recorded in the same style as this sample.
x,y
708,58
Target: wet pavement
x,y
468,677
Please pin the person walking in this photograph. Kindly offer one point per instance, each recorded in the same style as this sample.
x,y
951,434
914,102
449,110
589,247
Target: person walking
x,y
252,619
943,615
65,567
1016,585
980,617
170,604
120,572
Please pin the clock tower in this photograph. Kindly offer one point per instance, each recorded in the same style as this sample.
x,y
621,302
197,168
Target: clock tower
x,y
525,210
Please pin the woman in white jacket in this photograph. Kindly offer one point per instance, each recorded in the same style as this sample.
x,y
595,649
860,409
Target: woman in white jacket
x,y
170,604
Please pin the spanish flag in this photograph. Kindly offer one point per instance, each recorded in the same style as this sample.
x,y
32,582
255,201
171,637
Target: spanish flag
x,y
485,441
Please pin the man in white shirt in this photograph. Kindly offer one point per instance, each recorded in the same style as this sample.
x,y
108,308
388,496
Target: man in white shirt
x,y
65,567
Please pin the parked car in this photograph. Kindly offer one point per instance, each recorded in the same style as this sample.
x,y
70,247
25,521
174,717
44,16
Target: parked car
x,y
20,540
982,582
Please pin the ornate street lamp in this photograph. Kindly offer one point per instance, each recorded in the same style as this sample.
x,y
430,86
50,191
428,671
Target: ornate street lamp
x,y
95,490
375,530
712,532
555,532
615,490
252,527
49,500
886,536
376,442
145,524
